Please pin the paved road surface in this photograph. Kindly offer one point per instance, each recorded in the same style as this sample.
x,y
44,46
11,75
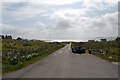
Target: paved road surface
x,y
64,64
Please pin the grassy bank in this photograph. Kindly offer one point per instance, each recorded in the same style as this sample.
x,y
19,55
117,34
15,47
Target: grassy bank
x,y
109,50
17,54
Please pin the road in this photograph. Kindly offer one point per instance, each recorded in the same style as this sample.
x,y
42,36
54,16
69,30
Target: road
x,y
64,64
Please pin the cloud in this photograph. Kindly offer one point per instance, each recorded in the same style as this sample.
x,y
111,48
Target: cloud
x,y
103,26
112,2
68,13
38,31
46,2
66,18
13,30
0,28
100,4
63,23
86,27
24,12
39,26
91,3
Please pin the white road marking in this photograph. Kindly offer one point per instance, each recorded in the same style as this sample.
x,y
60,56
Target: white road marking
x,y
55,54
61,51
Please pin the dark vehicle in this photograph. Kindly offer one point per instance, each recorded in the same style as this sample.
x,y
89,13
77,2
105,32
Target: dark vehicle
x,y
78,50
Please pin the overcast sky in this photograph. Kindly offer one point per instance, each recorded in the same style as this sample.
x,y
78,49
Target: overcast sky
x,y
60,19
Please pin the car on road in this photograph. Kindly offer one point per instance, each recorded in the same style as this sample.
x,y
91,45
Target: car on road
x,y
78,50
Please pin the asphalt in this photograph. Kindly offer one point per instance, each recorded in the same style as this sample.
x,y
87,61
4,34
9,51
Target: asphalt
x,y
64,64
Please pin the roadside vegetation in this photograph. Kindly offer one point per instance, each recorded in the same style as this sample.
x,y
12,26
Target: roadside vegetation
x,y
17,54
108,50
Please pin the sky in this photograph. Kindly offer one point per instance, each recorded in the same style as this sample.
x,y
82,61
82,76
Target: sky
x,y
60,19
